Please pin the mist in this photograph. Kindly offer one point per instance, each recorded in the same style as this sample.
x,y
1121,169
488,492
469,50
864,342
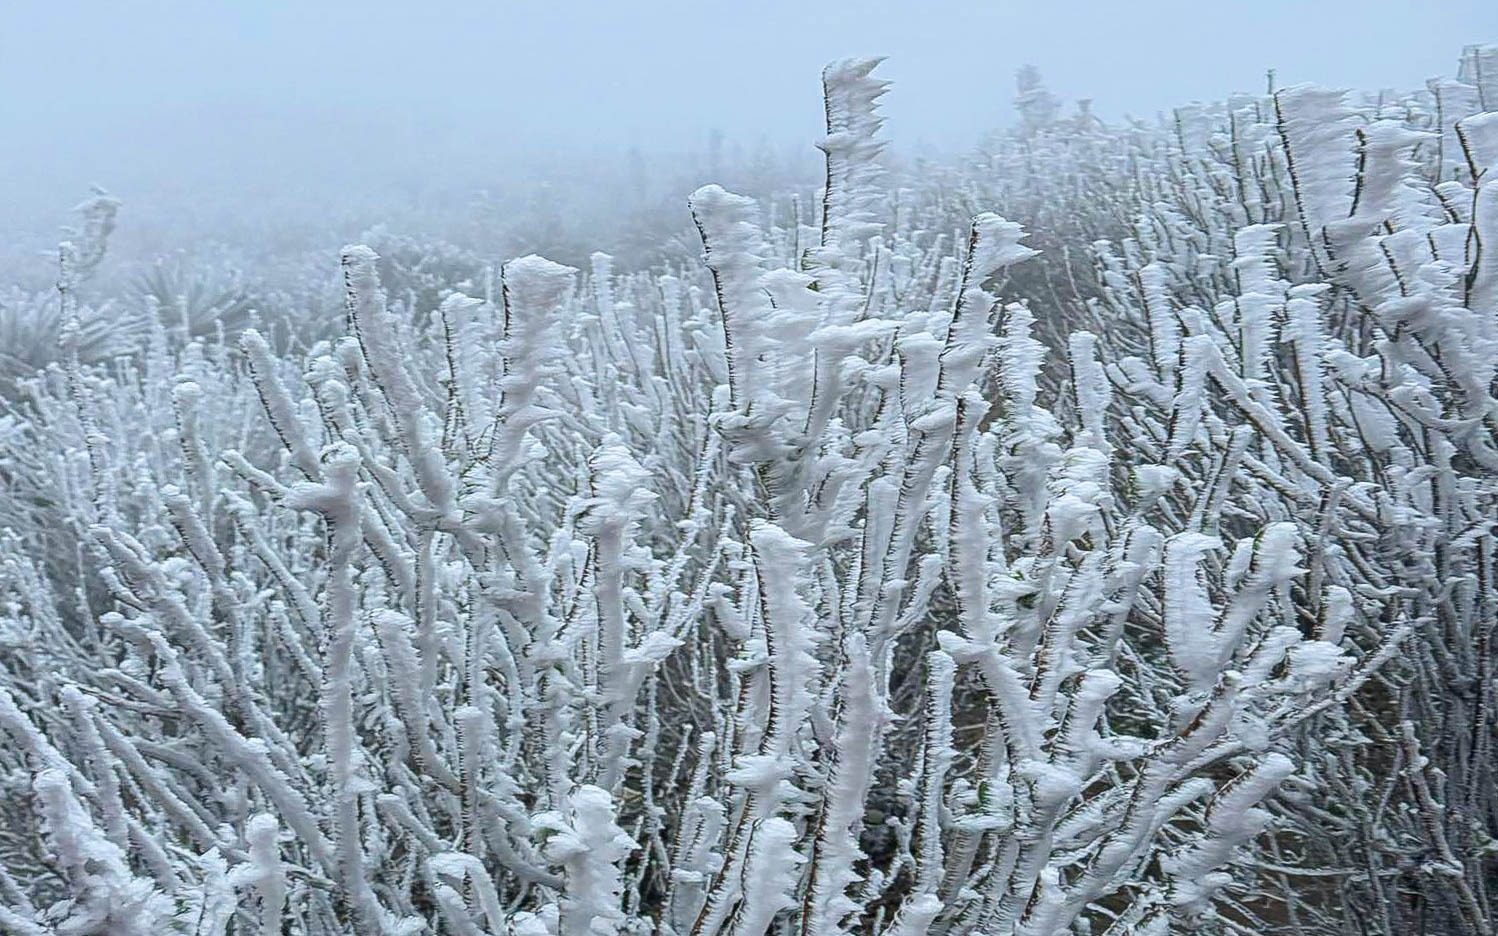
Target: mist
x,y
241,116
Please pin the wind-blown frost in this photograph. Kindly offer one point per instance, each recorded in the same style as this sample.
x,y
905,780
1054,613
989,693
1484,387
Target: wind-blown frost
x,y
872,572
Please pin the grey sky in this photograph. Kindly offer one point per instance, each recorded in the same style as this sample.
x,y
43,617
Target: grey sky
x,y
178,98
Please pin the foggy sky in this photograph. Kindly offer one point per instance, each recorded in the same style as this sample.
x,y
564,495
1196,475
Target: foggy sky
x,y
176,103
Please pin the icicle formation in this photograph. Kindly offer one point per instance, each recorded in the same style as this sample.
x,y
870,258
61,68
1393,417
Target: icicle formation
x,y
590,847
734,246
892,578
851,203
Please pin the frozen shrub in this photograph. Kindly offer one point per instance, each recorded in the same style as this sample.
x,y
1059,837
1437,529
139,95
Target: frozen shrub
x,y
819,587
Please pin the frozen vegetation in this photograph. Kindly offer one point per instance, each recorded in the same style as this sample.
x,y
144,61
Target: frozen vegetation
x,y
871,563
